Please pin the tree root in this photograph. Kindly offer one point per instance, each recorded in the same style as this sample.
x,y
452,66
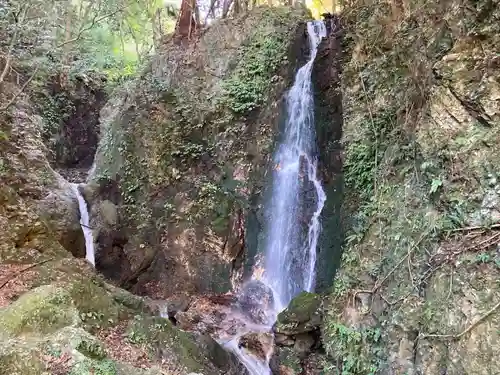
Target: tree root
x,y
464,332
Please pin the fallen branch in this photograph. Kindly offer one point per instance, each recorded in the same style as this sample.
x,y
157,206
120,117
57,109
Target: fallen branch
x,y
467,330
24,270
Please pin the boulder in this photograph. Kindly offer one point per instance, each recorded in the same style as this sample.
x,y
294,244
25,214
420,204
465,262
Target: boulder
x,y
302,315
59,209
256,300
258,343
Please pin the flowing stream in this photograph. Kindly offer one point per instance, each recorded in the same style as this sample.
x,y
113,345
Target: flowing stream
x,y
295,205
84,222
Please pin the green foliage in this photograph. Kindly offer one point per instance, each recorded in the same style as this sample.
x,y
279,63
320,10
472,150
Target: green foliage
x,y
364,154
92,349
357,350
92,367
259,61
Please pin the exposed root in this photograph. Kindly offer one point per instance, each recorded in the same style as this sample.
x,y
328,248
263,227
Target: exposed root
x,y
464,332
468,229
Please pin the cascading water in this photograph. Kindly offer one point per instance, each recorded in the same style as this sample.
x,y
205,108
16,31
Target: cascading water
x,y
296,203
291,258
84,222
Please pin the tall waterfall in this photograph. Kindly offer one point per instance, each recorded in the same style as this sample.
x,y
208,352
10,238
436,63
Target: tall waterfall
x,y
290,254
84,222
293,210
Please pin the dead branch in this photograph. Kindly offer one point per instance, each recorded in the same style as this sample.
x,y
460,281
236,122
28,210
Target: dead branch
x,y
17,274
466,229
11,101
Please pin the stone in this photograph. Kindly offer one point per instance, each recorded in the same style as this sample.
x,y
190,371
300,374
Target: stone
x,y
285,361
259,344
283,340
304,343
59,209
302,315
256,300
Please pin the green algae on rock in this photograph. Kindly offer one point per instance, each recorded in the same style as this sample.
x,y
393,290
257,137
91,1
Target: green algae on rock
x,y
302,315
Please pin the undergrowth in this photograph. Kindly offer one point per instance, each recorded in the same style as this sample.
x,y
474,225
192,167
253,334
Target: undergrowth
x,y
357,351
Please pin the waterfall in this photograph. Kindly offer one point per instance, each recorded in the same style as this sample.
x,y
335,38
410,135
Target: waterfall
x,y
290,254
296,202
84,222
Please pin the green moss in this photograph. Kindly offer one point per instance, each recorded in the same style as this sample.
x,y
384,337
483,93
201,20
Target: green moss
x,y
96,308
302,314
42,310
259,60
159,332
19,362
95,367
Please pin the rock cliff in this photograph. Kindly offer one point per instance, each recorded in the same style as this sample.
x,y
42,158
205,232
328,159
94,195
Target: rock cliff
x,y
417,291
184,152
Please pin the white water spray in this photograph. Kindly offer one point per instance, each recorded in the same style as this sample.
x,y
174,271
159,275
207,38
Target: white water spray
x,y
290,253
84,222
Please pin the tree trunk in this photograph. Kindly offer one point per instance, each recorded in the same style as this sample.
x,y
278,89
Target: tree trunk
x,y
157,29
186,23
225,7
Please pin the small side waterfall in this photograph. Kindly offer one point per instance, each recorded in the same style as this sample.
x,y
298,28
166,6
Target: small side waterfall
x,y
293,211
84,222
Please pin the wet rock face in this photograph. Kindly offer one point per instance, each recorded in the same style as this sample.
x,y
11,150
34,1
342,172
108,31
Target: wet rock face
x,y
71,113
256,300
61,212
328,116
259,344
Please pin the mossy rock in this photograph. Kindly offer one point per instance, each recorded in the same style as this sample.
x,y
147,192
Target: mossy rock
x,y
16,358
184,350
159,332
288,358
42,310
303,314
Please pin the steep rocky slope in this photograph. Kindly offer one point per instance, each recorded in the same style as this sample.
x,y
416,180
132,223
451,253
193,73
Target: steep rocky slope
x,y
57,316
417,292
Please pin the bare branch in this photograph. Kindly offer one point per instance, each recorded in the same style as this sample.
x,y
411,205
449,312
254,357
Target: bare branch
x,y
24,270
92,24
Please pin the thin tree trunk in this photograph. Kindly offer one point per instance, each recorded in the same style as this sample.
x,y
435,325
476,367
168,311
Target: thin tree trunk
x,y
186,23
236,6
157,29
225,7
